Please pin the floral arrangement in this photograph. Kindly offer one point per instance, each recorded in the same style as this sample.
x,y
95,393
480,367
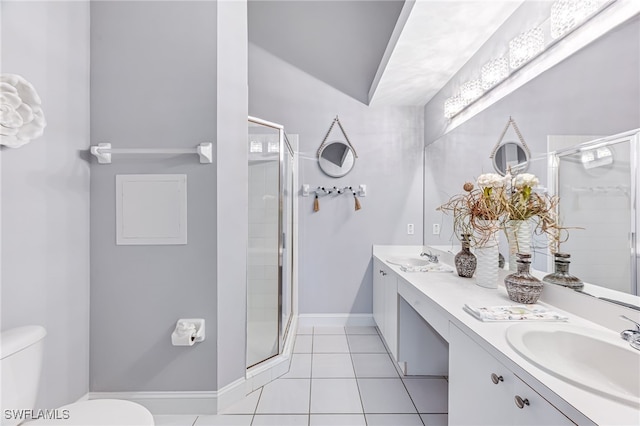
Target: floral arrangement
x,y
483,210
526,204
478,211
523,204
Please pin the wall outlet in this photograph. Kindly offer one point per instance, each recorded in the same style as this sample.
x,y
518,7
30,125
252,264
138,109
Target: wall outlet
x,y
410,229
436,229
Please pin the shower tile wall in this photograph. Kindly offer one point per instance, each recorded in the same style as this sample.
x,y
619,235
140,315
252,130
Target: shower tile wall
x,y
262,259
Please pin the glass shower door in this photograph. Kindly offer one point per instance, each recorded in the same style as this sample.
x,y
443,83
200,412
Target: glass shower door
x,y
270,248
263,257
286,224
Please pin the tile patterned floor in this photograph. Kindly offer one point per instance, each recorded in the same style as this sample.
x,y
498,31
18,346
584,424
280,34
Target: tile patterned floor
x,y
339,376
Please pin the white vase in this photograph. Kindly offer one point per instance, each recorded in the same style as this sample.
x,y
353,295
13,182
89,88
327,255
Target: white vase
x,y
519,237
487,265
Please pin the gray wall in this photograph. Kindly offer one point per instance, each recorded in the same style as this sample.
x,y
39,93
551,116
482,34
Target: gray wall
x,y
153,84
593,92
335,251
339,42
45,193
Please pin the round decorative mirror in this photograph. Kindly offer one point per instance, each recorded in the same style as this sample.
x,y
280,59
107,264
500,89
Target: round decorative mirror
x,y
336,159
510,156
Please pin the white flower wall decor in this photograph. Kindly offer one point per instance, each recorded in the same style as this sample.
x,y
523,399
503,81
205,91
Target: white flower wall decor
x,y
21,116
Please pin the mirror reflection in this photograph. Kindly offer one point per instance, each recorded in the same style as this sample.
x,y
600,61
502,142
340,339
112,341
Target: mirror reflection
x,y
336,159
592,93
595,182
510,156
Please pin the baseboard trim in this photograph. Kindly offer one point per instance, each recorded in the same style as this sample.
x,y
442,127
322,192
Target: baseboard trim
x,y
209,402
187,402
335,320
230,394
84,397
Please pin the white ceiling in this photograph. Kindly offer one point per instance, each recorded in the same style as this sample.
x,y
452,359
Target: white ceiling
x,y
438,38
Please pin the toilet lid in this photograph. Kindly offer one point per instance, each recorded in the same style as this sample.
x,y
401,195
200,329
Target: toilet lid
x,y
99,412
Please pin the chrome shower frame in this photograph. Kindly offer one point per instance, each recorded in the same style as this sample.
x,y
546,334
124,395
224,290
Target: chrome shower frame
x,y
283,143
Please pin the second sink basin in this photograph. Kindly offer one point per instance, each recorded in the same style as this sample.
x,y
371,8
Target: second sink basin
x,y
588,358
409,261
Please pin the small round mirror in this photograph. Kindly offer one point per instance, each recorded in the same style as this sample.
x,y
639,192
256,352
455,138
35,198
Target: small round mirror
x,y
336,159
510,155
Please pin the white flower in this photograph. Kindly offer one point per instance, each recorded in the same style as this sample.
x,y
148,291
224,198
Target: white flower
x,y
525,179
21,117
491,180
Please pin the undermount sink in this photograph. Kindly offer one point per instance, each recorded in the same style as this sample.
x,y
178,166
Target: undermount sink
x,y
595,360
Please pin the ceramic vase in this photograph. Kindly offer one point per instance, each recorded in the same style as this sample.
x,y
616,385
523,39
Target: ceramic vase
x,y
487,258
465,260
519,237
522,287
561,276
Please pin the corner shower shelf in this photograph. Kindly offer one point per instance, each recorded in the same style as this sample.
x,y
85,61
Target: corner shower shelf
x,y
103,152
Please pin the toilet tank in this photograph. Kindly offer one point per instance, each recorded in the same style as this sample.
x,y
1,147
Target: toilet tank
x,y
21,361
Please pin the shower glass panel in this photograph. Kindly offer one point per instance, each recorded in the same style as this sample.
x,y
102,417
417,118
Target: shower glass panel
x,y
270,248
287,237
596,183
263,249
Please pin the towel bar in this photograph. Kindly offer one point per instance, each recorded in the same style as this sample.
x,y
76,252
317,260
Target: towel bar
x,y
103,152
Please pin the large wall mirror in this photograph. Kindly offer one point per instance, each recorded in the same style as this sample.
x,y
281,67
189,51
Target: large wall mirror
x,y
593,92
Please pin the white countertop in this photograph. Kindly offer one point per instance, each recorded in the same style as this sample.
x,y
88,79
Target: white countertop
x,y
451,292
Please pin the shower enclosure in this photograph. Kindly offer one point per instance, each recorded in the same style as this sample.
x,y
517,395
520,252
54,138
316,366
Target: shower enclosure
x,y
270,255
597,183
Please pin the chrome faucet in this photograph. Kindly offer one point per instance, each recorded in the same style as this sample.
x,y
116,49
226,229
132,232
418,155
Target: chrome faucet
x,y
631,336
433,258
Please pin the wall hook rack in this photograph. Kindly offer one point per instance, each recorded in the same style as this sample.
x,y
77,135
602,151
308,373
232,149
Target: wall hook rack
x,y
320,191
103,152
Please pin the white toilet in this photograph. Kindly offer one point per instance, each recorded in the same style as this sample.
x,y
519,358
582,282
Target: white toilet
x,y
21,361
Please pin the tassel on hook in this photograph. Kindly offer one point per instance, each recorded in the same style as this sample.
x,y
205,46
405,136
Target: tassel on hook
x,y
355,197
316,204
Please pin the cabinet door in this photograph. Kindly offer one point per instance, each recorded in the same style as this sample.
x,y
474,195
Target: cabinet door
x,y
378,295
391,312
474,399
482,391
537,410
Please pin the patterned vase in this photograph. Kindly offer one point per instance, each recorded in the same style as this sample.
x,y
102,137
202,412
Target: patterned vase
x,y
465,260
523,287
561,276
487,259
519,237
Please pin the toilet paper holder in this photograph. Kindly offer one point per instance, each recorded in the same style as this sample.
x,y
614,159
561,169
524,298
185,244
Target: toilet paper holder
x,y
188,331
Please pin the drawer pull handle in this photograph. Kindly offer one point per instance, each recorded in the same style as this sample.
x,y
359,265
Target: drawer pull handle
x,y
382,272
520,403
496,379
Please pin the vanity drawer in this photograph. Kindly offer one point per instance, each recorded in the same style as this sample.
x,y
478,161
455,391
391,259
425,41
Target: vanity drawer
x,y
424,306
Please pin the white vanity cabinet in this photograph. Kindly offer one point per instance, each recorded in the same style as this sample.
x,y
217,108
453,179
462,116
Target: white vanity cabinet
x,y
482,391
385,304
